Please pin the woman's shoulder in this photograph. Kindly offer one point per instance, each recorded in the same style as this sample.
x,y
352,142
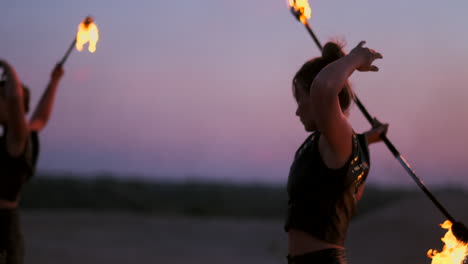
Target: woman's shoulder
x,y
309,142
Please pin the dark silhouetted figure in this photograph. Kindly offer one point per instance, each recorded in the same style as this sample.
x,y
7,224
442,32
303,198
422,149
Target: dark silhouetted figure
x,y
327,176
19,149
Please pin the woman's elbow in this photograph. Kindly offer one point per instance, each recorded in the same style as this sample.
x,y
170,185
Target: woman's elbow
x,y
37,124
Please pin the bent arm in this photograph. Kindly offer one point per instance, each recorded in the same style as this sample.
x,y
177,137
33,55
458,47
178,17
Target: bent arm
x,y
329,117
18,130
44,109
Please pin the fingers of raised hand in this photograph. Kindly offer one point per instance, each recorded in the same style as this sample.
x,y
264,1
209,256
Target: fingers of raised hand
x,y
374,54
375,122
384,129
380,127
361,44
377,55
58,70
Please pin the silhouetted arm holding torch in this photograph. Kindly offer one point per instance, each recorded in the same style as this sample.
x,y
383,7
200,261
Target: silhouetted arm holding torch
x,y
44,108
324,100
19,149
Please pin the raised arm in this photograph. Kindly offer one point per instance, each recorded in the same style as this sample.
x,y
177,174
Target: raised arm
x,y
17,127
44,108
329,117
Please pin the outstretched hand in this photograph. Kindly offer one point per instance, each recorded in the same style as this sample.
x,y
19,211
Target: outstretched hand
x,y
378,130
57,73
366,57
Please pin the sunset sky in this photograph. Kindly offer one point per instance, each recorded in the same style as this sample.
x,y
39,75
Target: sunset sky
x,y
202,89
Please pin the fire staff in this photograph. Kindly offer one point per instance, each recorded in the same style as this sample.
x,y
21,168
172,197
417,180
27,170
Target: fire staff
x,y
19,149
329,170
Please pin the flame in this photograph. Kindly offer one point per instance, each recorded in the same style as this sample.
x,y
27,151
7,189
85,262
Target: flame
x,y
301,9
87,32
453,252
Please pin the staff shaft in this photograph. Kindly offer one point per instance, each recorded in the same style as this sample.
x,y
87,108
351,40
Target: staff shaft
x,y
70,49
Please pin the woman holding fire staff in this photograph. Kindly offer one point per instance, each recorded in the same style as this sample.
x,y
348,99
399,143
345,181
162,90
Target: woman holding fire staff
x,y
19,149
327,176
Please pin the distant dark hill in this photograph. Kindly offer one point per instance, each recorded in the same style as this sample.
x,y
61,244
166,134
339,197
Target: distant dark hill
x,y
192,198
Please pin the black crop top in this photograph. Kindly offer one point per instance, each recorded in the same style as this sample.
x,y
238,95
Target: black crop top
x,y
321,201
15,171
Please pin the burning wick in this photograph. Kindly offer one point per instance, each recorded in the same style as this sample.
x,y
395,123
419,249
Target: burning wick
x,y
87,32
453,252
301,10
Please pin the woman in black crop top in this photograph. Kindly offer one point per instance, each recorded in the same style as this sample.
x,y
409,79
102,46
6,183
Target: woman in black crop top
x,y
19,148
329,169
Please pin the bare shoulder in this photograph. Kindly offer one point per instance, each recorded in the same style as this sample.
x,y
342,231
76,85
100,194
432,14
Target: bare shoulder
x,y
336,149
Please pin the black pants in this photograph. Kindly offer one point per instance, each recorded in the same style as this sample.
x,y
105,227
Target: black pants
x,y
326,256
11,238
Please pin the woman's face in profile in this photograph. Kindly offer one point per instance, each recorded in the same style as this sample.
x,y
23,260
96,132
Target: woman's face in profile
x,y
303,110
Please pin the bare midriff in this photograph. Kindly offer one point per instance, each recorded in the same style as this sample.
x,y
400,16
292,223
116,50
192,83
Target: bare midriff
x,y
300,242
5,204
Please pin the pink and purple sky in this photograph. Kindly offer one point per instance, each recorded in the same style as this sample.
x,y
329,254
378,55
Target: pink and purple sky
x,y
202,89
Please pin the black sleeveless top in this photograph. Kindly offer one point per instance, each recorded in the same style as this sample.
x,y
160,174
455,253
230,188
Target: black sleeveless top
x,y
16,171
321,201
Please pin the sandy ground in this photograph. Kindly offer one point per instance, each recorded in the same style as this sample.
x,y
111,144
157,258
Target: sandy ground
x,y
401,233
84,237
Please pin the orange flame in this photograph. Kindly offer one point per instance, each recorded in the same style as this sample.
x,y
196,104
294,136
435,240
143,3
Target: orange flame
x,y
453,252
87,32
302,9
